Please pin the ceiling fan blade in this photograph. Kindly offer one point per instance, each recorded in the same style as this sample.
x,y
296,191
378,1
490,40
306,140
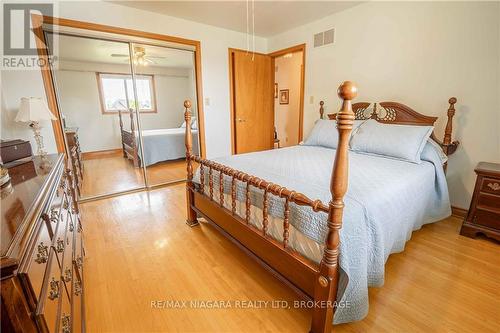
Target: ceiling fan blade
x,y
156,57
119,55
149,60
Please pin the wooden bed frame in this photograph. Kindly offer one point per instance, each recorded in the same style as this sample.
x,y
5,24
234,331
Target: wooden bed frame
x,y
312,282
129,143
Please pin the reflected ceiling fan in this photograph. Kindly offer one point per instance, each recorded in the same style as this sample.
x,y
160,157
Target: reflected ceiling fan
x,y
140,57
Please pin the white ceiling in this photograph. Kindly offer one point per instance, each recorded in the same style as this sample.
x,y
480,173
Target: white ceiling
x,y
99,51
271,17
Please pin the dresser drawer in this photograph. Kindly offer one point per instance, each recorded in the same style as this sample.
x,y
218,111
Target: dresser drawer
x,y
487,218
490,185
53,292
38,263
78,244
57,211
77,295
60,241
66,268
489,202
64,318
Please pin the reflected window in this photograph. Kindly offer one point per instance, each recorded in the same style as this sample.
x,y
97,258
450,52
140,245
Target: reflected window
x,y
116,92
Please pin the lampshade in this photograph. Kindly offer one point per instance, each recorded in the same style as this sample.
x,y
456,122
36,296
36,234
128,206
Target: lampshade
x,y
33,109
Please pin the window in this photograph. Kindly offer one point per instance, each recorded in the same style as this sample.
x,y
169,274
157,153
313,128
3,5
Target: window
x,y
116,92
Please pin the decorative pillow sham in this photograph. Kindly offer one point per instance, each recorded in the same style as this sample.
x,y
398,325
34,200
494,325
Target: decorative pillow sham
x,y
433,147
325,134
403,142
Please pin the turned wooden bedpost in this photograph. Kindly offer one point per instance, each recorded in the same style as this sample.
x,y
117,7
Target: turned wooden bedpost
x,y
188,139
321,109
121,132
449,146
325,290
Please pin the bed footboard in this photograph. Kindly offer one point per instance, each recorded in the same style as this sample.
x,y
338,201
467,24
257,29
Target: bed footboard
x,y
129,143
318,283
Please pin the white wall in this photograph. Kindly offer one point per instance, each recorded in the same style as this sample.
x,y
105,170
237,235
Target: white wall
x,y
286,116
419,54
214,54
14,86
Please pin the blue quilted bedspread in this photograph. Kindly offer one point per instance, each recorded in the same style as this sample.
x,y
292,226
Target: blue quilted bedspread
x,y
387,199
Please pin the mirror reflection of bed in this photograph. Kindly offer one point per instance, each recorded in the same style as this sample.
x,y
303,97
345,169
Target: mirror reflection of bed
x,y
109,93
163,128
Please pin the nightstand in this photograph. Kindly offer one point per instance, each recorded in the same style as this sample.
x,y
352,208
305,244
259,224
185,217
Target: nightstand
x,y
484,212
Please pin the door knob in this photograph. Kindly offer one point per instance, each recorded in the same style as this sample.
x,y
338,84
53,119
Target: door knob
x,y
240,120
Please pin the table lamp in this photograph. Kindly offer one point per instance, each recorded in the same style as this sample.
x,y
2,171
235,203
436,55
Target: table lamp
x,y
33,110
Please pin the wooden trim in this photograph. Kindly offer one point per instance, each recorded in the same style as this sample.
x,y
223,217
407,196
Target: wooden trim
x,y
43,55
116,30
199,97
231,99
47,75
459,212
101,96
92,155
291,49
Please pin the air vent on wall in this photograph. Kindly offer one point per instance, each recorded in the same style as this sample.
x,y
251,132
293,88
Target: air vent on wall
x,y
324,38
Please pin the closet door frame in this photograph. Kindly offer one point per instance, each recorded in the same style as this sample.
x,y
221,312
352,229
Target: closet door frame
x,y
41,25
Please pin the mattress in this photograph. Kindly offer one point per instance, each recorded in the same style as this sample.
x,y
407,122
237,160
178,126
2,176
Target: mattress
x,y
165,144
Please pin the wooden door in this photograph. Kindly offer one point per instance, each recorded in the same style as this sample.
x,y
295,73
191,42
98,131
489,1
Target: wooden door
x,y
252,98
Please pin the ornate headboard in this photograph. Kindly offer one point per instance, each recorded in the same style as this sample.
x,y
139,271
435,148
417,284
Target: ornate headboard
x,y
397,113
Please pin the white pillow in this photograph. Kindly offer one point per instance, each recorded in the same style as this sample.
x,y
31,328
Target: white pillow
x,y
194,124
403,142
183,124
325,133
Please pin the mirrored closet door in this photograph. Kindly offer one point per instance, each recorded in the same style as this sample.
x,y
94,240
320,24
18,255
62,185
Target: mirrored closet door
x,y
165,78
93,81
121,105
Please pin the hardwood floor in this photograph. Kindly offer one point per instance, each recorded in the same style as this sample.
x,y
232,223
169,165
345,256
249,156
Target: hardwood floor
x,y
113,173
165,172
139,250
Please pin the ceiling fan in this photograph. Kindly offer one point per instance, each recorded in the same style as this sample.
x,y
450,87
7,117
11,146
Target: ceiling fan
x,y
140,57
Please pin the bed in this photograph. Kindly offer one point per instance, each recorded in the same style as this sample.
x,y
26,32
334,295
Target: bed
x,y
299,239
159,144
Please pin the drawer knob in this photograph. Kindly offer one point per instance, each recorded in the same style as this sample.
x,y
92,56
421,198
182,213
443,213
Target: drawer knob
x,y
66,323
43,253
60,245
67,275
78,288
494,186
54,289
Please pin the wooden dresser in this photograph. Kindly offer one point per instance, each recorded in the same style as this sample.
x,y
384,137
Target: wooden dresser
x,y
484,213
75,155
42,250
